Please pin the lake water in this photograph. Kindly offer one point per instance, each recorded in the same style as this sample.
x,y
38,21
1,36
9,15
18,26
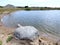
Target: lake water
x,y
46,20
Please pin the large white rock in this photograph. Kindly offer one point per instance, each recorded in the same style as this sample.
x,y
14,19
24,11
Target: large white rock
x,y
26,32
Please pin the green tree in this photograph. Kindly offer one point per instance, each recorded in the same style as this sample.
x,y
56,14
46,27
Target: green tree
x,y
26,6
1,6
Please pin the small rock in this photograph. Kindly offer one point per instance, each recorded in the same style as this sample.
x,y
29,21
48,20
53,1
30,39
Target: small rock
x,y
2,36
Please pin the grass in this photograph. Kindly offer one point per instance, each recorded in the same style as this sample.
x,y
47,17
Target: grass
x,y
2,10
9,10
9,39
0,42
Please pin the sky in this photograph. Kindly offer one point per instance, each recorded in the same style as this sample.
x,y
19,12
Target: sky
x,y
39,3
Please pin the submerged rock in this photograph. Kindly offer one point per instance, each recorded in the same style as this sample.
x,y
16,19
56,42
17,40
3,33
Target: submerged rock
x,y
26,32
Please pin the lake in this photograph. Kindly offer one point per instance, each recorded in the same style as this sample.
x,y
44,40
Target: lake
x,y
43,20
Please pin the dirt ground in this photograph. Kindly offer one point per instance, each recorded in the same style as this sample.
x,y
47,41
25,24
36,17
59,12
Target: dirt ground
x,y
44,39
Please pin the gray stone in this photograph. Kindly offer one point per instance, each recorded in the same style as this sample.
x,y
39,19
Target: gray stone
x,y
26,32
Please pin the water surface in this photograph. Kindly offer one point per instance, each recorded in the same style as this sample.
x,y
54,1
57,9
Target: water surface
x,y
47,21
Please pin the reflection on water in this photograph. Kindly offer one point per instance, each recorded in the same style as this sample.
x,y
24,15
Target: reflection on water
x,y
48,20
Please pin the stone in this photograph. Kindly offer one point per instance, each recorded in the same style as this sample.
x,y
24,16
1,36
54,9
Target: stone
x,y
26,32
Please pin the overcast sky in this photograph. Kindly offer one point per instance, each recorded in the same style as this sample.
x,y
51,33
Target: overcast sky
x,y
41,3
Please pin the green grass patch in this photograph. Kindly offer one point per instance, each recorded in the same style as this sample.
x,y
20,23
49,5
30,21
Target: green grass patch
x,y
9,10
27,9
9,39
0,42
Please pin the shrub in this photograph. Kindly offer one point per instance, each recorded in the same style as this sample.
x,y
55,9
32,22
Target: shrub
x,y
1,6
27,9
0,42
9,39
26,6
